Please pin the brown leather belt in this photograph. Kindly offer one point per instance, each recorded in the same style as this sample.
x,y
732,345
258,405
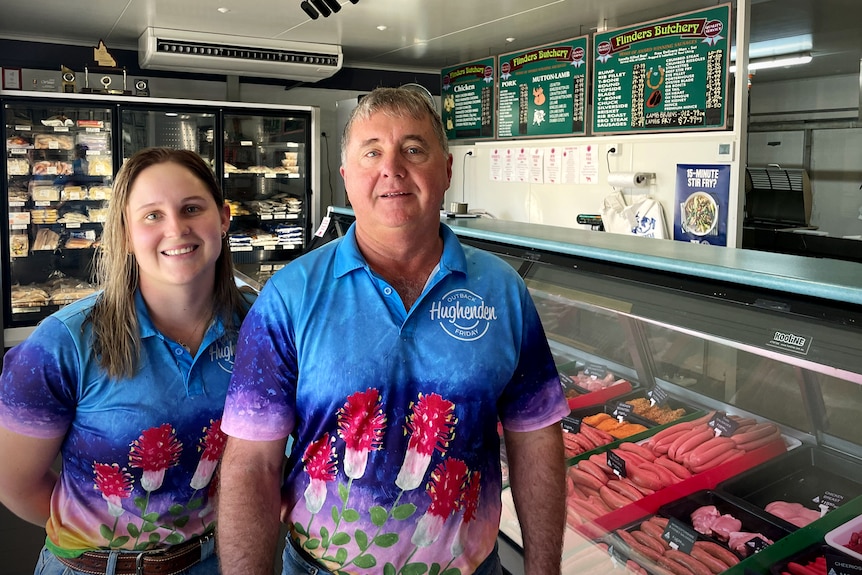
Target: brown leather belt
x,y
169,561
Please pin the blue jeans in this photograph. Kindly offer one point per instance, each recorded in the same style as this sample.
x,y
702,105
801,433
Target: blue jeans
x,y
298,562
49,565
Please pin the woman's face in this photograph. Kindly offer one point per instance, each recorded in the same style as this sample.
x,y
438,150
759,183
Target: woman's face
x,y
174,228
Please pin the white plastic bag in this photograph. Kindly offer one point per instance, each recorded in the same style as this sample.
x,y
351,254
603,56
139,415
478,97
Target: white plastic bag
x,y
644,217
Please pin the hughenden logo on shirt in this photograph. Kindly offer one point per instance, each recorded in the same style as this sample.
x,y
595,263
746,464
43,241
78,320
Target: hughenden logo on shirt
x,y
463,314
222,354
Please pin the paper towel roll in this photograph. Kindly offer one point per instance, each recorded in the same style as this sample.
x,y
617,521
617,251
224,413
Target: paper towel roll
x,y
628,179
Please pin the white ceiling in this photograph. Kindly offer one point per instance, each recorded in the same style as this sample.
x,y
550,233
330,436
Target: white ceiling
x,y
426,35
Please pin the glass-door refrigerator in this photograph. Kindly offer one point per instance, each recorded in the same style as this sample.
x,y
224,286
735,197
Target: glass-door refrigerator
x,y
57,177
267,181
177,126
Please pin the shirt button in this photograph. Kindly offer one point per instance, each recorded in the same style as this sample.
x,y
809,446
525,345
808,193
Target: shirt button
x,y
387,290
178,351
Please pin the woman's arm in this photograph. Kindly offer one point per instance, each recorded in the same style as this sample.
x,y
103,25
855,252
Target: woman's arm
x,y
26,477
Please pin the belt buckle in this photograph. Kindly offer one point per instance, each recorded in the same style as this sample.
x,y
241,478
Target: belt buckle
x,y
139,563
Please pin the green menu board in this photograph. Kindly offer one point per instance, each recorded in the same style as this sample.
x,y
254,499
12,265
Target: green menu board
x,y
667,75
542,91
468,100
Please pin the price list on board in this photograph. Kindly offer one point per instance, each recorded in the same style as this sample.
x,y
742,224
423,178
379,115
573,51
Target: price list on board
x,y
542,91
665,75
468,100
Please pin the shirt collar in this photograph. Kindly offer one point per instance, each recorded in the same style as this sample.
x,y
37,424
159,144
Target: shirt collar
x,y
348,257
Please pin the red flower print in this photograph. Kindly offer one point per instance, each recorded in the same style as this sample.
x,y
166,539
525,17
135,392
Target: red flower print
x,y
319,460
114,484
212,445
155,451
446,489
431,426
469,502
360,424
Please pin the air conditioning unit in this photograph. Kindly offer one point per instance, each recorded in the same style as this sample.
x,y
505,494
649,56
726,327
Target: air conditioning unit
x,y
202,53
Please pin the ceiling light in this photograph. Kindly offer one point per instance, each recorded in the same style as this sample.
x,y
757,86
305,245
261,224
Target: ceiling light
x,y
777,62
322,8
309,9
382,27
510,39
333,5
224,10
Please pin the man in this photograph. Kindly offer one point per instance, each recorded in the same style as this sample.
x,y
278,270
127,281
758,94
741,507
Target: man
x,y
388,356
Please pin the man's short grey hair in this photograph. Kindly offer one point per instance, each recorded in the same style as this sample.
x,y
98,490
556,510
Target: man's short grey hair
x,y
395,102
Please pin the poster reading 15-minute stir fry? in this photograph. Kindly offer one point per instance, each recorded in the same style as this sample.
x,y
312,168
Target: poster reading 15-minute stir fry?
x,y
702,202
663,76
543,91
468,100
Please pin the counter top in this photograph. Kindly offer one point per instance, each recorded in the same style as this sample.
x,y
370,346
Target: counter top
x,y
814,277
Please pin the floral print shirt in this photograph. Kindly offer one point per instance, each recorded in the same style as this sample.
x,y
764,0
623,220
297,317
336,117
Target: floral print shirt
x,y
139,454
395,465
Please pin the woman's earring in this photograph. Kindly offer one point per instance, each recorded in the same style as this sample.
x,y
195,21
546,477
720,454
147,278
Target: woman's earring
x,y
224,235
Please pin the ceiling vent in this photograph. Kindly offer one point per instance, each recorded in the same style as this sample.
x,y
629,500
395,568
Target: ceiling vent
x,y
202,53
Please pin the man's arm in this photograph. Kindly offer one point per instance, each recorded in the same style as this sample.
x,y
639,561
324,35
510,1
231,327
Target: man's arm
x,y
249,506
537,475
26,478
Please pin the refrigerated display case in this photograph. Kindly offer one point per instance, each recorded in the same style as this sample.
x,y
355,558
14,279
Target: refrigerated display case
x,y
764,349
58,175
61,154
266,180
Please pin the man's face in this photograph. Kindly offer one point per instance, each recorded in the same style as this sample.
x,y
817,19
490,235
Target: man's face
x,y
395,171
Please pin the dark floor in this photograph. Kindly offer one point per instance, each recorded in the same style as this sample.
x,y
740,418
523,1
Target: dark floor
x,y
20,543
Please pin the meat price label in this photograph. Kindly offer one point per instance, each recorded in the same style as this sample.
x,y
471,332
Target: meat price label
x,y
663,76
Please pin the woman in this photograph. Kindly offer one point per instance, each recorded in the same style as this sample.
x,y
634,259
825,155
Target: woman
x,y
127,386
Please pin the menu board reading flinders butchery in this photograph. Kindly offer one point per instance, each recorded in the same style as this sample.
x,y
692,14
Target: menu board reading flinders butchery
x,y
665,75
468,100
542,92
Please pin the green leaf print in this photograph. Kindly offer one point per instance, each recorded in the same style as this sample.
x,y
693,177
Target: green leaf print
x,y
341,556
365,561
141,546
120,541
147,527
150,517
402,512
414,569
389,569
106,532
378,515
435,569
195,503
174,538
340,539
350,515
324,536
176,509
343,492
297,526
141,503
154,538
386,540
361,539
452,571
181,521
335,514
311,543
133,530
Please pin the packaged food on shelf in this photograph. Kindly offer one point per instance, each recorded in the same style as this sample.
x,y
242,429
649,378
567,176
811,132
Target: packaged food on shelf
x,y
53,142
17,166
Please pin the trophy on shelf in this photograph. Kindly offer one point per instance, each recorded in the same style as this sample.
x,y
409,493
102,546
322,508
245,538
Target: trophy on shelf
x,y
105,65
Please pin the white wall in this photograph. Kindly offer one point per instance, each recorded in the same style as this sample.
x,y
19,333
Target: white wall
x,y
559,204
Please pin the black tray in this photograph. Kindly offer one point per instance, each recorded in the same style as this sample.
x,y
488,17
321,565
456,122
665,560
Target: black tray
x,y
568,377
641,394
799,476
752,522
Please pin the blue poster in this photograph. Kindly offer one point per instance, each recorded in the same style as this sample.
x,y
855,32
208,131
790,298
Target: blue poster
x,y
702,203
